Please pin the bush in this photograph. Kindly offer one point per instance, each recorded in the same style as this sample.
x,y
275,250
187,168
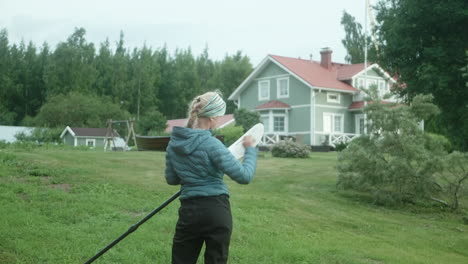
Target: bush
x,y
7,158
290,149
453,178
3,144
396,162
151,123
341,146
78,110
230,133
41,135
437,142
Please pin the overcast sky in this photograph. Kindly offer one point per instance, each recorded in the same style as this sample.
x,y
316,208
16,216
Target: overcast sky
x,y
295,28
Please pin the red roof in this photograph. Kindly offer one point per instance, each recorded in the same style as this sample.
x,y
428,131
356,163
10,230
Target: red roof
x,y
222,121
356,105
273,104
316,75
349,70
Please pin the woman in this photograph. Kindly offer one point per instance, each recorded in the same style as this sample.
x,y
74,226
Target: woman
x,y
198,161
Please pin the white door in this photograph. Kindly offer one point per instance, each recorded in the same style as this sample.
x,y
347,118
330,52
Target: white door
x,y
360,125
327,123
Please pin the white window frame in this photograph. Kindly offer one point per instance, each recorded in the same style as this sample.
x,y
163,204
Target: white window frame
x,y
278,88
371,82
360,83
337,101
91,140
285,123
271,122
382,88
260,98
382,85
332,120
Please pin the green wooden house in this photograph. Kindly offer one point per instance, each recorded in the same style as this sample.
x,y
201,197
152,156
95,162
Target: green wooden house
x,y
316,102
91,137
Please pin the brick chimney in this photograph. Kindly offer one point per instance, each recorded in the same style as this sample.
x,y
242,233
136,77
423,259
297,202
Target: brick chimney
x,y
325,60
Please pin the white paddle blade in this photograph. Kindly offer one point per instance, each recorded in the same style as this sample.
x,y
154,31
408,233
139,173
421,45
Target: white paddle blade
x,y
256,132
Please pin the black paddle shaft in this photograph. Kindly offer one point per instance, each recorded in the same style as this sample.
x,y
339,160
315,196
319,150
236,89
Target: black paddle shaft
x,y
133,228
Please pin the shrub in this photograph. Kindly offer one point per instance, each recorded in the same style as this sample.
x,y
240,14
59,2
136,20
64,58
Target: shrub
x,y
7,158
396,161
41,135
230,133
438,142
78,110
341,146
3,144
454,177
151,123
290,149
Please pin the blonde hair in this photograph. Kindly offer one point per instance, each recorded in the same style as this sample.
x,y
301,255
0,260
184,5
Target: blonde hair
x,y
196,107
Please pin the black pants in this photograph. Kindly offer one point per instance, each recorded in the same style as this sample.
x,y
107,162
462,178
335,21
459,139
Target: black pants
x,y
203,220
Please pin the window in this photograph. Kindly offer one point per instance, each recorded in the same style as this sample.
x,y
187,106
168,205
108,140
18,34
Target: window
x,y
264,90
91,143
333,98
278,124
274,122
382,85
333,123
265,119
360,83
371,82
382,88
282,87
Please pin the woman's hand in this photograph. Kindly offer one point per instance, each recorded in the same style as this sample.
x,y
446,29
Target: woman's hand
x,y
248,141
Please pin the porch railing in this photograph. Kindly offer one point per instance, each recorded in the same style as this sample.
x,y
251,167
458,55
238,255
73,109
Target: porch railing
x,y
334,139
330,139
269,139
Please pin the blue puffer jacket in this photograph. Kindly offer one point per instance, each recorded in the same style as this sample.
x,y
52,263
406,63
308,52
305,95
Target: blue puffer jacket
x,y
198,161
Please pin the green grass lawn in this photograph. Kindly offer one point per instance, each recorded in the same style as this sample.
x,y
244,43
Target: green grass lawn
x,y
62,206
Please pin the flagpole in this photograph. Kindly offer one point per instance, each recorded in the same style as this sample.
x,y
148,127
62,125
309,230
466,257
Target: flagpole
x,y
365,42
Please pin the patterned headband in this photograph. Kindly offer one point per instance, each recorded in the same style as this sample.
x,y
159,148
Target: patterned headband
x,y
215,107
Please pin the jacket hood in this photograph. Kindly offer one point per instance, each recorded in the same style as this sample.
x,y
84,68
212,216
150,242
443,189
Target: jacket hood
x,y
186,140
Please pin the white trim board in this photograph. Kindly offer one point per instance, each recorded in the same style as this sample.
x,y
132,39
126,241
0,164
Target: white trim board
x,y
272,77
271,108
312,117
335,90
300,106
331,106
299,133
65,130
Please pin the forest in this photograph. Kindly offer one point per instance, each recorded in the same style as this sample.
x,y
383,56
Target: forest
x,y
78,83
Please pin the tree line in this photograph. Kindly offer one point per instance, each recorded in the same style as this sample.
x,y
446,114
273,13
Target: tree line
x,y
142,82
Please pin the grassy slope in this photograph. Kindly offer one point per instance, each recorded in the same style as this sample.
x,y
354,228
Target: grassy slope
x,y
290,213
